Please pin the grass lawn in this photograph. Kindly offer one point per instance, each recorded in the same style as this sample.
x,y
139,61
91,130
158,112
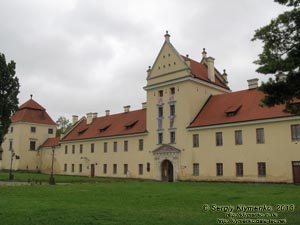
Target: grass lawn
x,y
136,203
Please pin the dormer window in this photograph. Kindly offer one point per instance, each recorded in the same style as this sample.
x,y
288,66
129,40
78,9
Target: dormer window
x,y
82,131
131,124
232,110
104,128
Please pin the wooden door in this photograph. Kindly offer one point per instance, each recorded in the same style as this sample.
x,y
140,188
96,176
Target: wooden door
x,y
92,170
296,172
167,171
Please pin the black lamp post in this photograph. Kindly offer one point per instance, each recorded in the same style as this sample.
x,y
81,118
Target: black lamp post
x,y
52,179
11,176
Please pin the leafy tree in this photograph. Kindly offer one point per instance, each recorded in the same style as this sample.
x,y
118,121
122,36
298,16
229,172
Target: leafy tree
x,y
9,90
63,124
281,56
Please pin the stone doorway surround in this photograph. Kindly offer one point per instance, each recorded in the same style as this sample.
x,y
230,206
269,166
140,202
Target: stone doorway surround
x,y
166,152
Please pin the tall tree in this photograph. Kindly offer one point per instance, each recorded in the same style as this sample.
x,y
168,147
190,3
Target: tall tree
x,y
9,90
62,125
281,57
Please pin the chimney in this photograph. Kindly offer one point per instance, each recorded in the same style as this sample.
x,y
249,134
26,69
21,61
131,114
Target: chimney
x,y
252,83
74,119
144,105
126,108
107,112
89,118
95,115
167,37
280,76
211,68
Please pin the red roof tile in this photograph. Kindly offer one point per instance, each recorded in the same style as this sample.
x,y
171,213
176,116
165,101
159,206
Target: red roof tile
x,y
214,111
133,122
32,112
31,104
51,142
200,71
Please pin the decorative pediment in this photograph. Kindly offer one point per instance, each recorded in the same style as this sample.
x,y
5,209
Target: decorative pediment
x,y
166,149
168,62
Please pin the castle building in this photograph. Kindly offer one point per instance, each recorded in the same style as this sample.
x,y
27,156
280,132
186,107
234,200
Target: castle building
x,y
192,127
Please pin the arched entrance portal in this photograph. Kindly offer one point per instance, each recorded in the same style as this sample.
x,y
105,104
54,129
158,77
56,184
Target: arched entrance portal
x,y
167,171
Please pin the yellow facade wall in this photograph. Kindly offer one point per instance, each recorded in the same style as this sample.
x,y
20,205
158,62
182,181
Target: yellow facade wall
x,y
277,152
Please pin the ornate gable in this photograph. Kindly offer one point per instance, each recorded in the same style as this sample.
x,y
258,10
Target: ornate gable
x,y
168,61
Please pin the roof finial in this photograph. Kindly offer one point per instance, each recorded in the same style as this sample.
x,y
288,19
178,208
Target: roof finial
x,y
224,75
167,36
31,96
204,53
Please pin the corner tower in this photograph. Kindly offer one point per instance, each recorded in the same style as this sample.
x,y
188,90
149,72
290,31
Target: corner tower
x,y
31,126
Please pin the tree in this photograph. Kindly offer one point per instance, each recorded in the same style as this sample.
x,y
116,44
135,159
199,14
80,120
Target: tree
x,y
9,90
63,124
281,57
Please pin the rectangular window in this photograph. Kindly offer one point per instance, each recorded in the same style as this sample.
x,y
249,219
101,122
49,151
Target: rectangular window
x,y
195,140
239,169
172,90
140,169
80,148
65,167
32,129
125,146
219,167
172,137
172,110
105,146
115,168
160,93
73,149
125,168
11,129
50,131
160,138
295,132
238,137
148,167
32,145
141,144
260,136
73,168
261,168
66,149
92,148
105,168
196,169
80,168
10,145
219,139
160,112
115,146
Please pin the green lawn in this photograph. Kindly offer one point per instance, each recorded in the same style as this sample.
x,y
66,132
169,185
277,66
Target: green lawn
x,y
135,203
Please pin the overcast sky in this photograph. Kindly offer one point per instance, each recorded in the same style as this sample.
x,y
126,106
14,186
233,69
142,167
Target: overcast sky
x,y
79,56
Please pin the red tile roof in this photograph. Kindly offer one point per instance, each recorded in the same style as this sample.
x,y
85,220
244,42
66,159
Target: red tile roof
x,y
200,71
51,142
133,122
214,112
32,112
